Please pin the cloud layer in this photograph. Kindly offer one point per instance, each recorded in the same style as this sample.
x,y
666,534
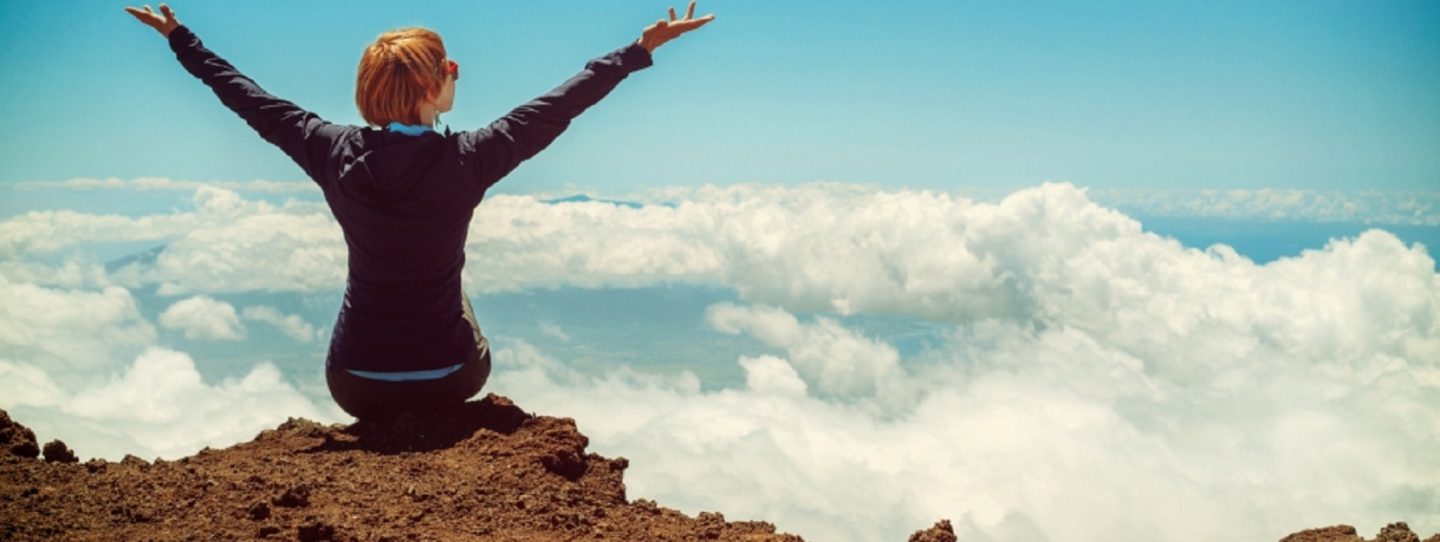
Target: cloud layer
x,y
1091,367
1094,380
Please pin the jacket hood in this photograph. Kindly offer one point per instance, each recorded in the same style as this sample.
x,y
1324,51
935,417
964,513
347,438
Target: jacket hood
x,y
392,162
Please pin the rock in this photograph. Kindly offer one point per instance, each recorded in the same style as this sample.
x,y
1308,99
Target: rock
x,y
1333,533
1394,532
15,439
258,511
57,452
712,524
315,531
295,497
1397,532
940,532
566,451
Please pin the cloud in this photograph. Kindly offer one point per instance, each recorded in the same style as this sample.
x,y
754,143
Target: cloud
x,y
810,248
553,330
1096,380
770,374
780,246
836,359
202,317
50,231
291,324
158,407
70,332
273,250
76,271
24,384
1091,379
1419,208
1020,434
83,366
226,245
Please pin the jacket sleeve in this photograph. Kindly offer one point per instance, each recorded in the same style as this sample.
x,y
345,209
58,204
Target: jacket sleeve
x,y
490,153
302,135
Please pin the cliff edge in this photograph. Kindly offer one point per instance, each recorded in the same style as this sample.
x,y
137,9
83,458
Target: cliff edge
x,y
485,471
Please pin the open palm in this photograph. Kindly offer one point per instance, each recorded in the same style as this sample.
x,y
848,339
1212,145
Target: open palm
x,y
662,31
163,22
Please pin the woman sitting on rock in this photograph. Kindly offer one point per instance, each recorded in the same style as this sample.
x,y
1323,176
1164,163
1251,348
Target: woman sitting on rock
x,y
403,193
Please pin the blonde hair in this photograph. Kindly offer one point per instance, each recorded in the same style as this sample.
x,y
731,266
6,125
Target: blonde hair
x,y
402,69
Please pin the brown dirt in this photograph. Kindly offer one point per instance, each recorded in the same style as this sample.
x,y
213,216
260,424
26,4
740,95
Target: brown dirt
x,y
16,440
1394,532
940,532
485,471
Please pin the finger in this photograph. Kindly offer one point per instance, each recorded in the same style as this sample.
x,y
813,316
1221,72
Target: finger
x,y
690,13
702,20
140,15
169,13
686,26
672,13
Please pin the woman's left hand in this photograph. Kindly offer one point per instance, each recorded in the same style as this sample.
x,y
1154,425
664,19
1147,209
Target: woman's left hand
x,y
662,31
164,25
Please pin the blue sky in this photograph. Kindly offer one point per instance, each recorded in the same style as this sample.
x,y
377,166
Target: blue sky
x,y
1328,95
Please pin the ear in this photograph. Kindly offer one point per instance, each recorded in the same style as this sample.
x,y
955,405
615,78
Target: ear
x,y
433,98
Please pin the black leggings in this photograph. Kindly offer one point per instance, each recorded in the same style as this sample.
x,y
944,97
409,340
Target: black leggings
x,y
370,399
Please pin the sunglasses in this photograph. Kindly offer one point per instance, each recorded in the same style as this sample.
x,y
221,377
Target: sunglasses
x,y
452,68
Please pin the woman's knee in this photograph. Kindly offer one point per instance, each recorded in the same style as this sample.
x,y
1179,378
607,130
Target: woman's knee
x,y
479,375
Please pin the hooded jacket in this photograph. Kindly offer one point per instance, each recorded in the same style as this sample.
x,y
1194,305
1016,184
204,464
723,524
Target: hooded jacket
x,y
404,202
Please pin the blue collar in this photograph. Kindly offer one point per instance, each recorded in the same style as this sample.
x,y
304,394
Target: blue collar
x,y
409,129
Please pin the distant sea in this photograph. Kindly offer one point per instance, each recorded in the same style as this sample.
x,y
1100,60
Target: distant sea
x,y
1266,241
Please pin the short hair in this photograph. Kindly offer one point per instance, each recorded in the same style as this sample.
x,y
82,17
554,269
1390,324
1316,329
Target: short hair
x,y
398,72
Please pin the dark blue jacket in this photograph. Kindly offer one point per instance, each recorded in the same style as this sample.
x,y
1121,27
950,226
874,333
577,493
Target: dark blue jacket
x,y
404,202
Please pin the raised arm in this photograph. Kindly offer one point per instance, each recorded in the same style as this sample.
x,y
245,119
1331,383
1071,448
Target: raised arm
x,y
495,150
302,135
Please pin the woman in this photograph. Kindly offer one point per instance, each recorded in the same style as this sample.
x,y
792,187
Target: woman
x,y
406,337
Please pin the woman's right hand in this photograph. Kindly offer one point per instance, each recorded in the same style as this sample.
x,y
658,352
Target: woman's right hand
x,y
164,25
662,31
